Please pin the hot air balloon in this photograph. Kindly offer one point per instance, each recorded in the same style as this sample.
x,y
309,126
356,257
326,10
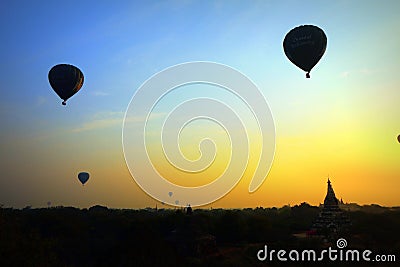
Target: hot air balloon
x,y
304,46
66,80
83,177
398,138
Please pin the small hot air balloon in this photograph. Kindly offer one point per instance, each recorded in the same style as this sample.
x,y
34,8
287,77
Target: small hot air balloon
x,y
170,194
304,46
83,177
66,80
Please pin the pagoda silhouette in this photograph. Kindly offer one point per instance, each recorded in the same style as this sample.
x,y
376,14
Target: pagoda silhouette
x,y
331,221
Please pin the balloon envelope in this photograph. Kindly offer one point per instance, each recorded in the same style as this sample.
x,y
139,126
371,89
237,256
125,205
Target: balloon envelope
x,y
398,138
83,177
66,80
304,46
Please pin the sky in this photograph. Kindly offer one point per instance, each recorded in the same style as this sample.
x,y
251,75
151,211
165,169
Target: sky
x,y
342,123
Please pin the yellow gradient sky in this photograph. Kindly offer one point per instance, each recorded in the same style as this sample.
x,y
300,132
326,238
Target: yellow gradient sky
x,y
343,122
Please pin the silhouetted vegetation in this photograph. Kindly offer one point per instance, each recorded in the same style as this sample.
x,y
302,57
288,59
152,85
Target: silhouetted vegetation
x,y
66,236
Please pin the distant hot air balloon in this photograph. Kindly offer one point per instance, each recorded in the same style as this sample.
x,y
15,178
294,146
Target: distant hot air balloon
x,y
170,194
83,177
304,46
66,80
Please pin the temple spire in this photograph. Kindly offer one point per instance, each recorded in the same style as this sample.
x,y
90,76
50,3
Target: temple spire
x,y
330,199
331,218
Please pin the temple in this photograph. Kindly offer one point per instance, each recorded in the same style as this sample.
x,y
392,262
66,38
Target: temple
x,y
331,220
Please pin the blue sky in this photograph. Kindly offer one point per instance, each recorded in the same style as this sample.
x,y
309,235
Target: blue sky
x,y
119,45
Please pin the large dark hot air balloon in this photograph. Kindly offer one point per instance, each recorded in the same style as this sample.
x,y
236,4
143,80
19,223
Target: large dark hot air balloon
x,y
83,177
398,138
304,46
65,80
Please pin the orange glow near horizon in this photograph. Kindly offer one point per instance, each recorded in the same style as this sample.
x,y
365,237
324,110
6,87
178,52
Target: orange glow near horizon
x,y
343,122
